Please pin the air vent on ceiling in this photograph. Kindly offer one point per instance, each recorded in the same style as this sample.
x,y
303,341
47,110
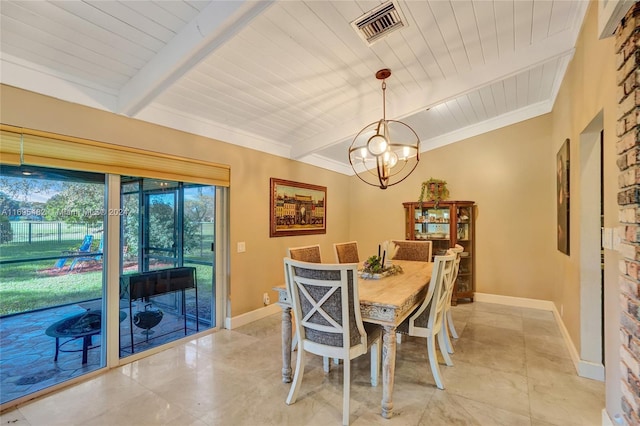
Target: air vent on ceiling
x,y
379,22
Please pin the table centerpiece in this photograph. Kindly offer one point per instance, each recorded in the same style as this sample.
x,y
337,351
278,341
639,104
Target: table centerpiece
x,y
377,266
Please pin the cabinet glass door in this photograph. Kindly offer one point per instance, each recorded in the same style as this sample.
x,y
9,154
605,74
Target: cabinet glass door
x,y
464,218
433,224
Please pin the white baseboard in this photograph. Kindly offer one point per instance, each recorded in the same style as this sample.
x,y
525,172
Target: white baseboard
x,y
521,302
246,318
586,369
591,370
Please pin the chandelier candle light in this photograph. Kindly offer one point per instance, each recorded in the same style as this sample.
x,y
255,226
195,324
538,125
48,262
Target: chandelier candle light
x,y
385,152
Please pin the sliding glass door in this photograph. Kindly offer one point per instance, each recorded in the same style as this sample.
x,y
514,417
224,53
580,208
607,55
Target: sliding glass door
x,y
59,254
51,277
169,229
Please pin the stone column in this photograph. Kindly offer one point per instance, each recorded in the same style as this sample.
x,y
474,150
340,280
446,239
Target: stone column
x,y
628,150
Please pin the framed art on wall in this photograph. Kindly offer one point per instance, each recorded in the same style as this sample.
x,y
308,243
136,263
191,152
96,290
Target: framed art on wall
x,y
562,198
297,208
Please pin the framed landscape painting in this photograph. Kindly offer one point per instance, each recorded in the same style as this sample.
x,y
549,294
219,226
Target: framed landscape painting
x,y
562,197
297,208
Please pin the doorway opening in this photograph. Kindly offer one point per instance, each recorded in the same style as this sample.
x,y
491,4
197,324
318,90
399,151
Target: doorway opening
x,y
591,363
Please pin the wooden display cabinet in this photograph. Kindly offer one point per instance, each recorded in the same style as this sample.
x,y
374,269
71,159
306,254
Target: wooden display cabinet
x,y
445,225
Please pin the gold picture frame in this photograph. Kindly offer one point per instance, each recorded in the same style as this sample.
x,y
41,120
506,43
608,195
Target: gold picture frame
x,y
297,208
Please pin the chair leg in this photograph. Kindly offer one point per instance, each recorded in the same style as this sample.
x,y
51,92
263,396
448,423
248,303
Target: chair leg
x,y
325,364
346,393
297,378
55,358
398,338
447,340
443,348
450,325
376,350
433,361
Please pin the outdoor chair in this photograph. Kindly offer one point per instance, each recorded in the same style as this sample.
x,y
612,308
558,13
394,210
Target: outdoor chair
x,y
326,309
85,247
91,256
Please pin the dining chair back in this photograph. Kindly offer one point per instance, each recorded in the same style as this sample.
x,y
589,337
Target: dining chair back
x,y
305,253
447,322
326,309
426,320
346,252
413,250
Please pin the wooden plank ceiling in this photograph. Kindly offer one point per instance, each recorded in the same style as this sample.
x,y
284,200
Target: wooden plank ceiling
x,y
293,78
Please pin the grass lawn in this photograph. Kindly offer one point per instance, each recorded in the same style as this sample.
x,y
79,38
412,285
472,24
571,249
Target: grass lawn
x,y
37,284
26,295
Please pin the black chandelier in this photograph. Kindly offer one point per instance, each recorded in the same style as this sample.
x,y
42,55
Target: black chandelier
x,y
385,152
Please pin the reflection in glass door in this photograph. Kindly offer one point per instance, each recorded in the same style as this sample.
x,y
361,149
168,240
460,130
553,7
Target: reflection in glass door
x,y
161,230
198,242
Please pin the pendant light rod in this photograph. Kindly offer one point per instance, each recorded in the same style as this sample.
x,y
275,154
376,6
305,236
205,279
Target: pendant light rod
x,y
385,152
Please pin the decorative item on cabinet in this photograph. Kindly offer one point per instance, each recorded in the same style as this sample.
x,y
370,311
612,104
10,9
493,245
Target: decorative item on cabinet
x,y
446,223
434,190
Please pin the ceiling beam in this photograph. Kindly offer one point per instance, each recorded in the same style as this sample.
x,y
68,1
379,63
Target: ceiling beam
x,y
439,91
214,26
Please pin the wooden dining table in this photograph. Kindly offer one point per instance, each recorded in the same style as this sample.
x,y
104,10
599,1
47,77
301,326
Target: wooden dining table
x,y
386,301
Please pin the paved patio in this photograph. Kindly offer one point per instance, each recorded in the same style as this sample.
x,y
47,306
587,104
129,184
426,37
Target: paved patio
x,y
27,353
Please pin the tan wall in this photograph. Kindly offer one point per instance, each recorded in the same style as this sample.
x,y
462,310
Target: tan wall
x,y
589,87
258,269
508,174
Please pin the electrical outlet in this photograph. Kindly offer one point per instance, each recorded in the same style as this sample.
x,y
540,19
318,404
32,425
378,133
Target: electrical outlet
x,y
265,299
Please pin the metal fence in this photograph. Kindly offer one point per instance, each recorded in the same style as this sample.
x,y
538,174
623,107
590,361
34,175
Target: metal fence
x,y
39,231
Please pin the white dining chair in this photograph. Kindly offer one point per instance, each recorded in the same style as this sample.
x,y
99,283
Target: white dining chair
x,y
426,320
307,254
419,251
447,323
326,309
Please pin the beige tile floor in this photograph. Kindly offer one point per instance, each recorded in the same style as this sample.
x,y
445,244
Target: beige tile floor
x,y
510,368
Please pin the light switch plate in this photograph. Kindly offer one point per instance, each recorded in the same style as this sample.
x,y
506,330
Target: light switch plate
x,y
607,238
242,247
